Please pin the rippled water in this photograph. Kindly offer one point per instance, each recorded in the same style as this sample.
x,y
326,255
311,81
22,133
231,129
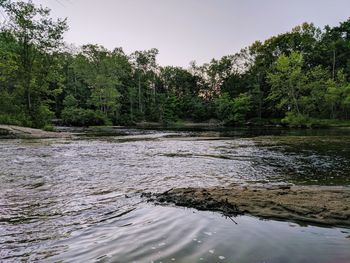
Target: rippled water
x,y
77,200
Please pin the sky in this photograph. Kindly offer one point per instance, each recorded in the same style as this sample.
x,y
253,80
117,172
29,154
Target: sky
x,y
187,30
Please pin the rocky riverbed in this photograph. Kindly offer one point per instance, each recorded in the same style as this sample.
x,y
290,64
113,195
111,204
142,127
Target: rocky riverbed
x,y
315,205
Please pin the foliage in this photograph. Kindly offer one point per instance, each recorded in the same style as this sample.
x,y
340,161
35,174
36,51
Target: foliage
x,y
49,127
297,120
30,39
83,117
233,111
301,76
287,80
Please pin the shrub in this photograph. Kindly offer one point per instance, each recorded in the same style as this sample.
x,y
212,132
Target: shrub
x,y
233,111
299,120
19,119
83,117
42,116
49,127
295,120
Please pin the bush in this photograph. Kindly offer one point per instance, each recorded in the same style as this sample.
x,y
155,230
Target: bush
x,y
301,121
11,112
42,116
296,120
83,117
125,119
49,127
19,119
233,111
168,109
9,119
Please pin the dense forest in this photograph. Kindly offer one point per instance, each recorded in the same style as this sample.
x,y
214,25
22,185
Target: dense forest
x,y
300,78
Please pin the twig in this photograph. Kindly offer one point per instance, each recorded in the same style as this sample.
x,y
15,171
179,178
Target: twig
x,y
233,220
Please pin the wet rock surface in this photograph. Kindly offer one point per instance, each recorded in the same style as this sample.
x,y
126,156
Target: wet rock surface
x,y
315,205
12,131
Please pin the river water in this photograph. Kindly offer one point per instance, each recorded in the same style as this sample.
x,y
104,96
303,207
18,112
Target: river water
x,y
78,200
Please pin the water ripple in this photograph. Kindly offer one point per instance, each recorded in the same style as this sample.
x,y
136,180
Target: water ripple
x,y
54,191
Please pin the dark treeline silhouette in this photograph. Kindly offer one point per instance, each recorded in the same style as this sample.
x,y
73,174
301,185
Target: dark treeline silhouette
x,y
300,77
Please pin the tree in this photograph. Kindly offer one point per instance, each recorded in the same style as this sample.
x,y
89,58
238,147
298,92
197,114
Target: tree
x,y
301,75
336,95
286,82
145,66
38,37
102,72
233,111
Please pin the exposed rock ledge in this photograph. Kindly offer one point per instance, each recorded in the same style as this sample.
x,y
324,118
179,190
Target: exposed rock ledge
x,y
12,131
317,205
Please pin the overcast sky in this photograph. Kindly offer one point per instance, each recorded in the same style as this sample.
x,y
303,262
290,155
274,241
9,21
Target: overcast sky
x,y
186,30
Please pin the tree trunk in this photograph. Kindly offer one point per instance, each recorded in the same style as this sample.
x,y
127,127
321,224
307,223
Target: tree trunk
x,y
294,98
333,69
140,104
131,105
154,89
29,100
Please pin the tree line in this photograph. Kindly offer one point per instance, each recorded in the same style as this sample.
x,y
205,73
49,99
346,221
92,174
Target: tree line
x,y
300,78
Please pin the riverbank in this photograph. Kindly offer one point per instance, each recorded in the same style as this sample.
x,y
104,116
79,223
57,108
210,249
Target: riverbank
x,y
211,124
315,205
259,123
12,131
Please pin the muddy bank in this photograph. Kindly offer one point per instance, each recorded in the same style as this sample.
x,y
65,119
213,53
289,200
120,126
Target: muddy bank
x,y
11,131
317,205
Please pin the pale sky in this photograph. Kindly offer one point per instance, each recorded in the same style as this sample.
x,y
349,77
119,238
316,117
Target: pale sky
x,y
186,30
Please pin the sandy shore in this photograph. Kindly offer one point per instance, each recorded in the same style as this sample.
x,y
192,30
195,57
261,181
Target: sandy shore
x,y
317,205
12,131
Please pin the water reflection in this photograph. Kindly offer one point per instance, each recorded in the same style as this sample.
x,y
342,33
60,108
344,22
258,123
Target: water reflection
x,y
159,234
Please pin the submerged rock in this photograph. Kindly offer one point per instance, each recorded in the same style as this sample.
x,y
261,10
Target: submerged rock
x,y
319,205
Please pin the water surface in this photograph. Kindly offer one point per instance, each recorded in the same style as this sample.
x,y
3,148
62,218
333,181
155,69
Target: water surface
x,y
78,200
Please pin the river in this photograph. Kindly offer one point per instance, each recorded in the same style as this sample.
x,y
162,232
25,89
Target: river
x,y
78,200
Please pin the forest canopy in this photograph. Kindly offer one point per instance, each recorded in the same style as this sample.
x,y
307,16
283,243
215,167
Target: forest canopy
x,y
300,77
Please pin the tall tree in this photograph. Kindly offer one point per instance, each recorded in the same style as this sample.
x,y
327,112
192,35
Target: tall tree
x,y
38,37
286,82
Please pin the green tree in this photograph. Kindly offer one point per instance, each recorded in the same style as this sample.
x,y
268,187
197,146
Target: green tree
x,y
336,94
38,37
287,80
233,111
145,67
102,73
